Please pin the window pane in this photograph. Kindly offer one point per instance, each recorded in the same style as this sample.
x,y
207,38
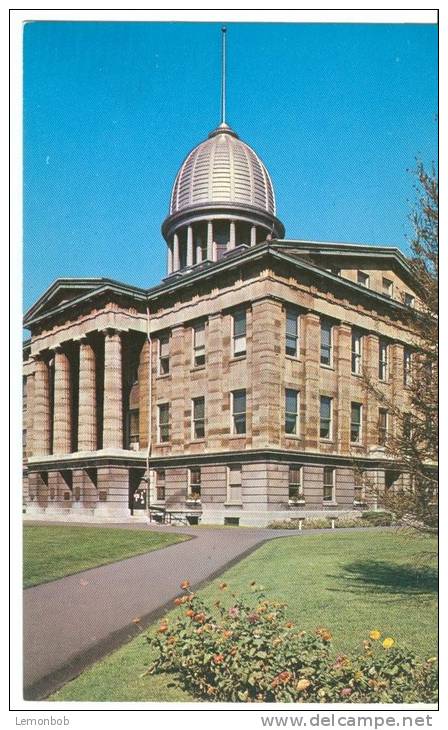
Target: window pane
x,y
199,408
291,400
239,401
325,407
239,324
199,335
291,323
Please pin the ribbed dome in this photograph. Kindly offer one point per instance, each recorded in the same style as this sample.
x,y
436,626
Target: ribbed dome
x,y
223,169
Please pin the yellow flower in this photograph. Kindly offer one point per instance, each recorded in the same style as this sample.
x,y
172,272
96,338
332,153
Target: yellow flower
x,y
387,643
431,660
302,685
375,635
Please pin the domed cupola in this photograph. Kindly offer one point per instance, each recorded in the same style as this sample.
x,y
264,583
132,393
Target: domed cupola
x,y
222,198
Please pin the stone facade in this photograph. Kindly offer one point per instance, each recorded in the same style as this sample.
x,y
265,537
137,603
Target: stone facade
x,y
112,386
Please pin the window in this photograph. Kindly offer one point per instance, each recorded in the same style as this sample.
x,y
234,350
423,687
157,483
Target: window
x,y
383,362
355,423
409,299
295,484
363,279
356,352
325,342
407,426
291,411
198,420
325,417
164,354
134,426
292,333
329,484
358,496
388,287
382,426
234,484
164,422
239,411
160,485
194,482
407,365
199,345
239,333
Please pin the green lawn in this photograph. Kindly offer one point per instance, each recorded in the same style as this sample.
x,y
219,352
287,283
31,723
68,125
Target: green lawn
x,y
349,582
52,552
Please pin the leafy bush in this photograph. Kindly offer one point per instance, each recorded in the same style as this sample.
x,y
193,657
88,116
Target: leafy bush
x,y
378,519
349,522
307,524
250,652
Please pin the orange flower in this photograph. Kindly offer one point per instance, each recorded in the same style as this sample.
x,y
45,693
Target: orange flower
x,y
189,613
227,634
289,625
324,634
282,678
162,628
222,586
185,584
200,617
171,640
218,658
177,601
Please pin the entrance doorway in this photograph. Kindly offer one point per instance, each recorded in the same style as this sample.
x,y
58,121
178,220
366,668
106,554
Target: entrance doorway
x,y
137,491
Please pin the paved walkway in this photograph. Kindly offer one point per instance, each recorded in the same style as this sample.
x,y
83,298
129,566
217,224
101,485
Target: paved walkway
x,y
71,622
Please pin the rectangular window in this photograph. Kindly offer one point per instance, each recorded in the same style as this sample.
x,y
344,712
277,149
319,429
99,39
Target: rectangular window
x,y
163,423
194,482
295,484
325,417
234,484
291,411
355,423
409,299
383,361
199,345
407,365
239,333
359,496
239,411
164,354
329,495
134,426
407,426
363,279
388,287
292,333
326,341
382,426
198,420
160,485
356,352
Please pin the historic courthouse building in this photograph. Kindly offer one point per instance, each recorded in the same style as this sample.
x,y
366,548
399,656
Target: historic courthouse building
x,y
235,387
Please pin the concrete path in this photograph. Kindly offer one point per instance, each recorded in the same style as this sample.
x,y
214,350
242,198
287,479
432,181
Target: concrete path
x,y
71,622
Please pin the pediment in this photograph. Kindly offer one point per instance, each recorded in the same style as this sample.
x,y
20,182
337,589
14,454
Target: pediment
x,y
61,292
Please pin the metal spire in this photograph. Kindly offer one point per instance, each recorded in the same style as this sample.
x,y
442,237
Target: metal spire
x,y
223,76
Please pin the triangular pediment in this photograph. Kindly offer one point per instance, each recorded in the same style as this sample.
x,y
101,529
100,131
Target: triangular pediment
x,y
61,292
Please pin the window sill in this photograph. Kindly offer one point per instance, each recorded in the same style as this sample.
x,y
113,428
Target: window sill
x,y
163,443
327,367
193,502
196,368
197,441
326,440
237,358
293,436
296,503
294,358
233,504
238,435
161,376
329,504
356,375
358,444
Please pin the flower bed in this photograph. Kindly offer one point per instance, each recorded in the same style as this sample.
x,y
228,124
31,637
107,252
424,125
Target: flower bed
x,y
250,652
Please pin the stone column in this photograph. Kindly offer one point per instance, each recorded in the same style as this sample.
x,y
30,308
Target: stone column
x,y
190,246
41,417
87,398
62,404
198,253
342,412
170,259
253,235
29,416
176,258
232,236
113,397
210,240
311,324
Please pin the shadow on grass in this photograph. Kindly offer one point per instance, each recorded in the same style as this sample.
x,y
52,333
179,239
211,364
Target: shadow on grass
x,y
389,579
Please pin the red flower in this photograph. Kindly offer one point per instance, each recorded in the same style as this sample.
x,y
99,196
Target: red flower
x,y
218,658
185,585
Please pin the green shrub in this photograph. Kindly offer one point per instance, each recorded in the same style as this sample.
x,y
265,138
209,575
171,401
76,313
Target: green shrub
x,y
349,522
250,652
313,523
378,519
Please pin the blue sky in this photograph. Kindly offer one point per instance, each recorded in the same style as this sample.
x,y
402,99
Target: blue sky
x,y
338,113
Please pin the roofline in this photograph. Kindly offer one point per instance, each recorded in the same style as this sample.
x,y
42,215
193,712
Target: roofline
x,y
174,283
